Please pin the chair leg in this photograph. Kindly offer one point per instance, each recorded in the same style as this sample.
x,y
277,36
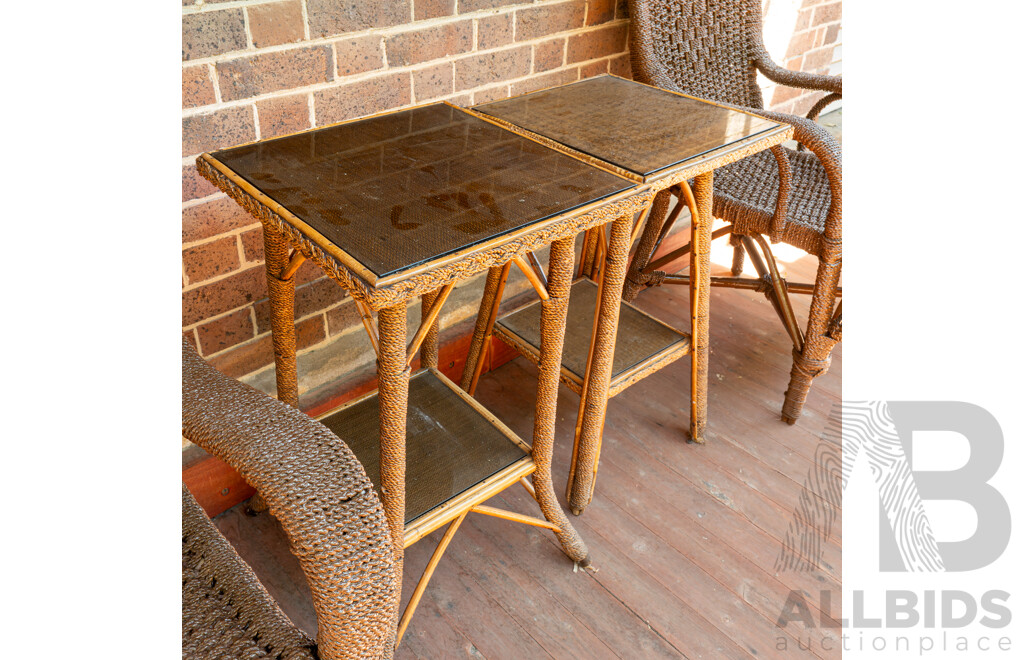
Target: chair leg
x,y
737,254
821,337
635,280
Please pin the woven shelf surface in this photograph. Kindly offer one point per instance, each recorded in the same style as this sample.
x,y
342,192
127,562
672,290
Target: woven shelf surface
x,y
450,445
640,336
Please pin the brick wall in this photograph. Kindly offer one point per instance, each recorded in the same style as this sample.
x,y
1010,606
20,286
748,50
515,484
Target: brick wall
x,y
802,35
258,68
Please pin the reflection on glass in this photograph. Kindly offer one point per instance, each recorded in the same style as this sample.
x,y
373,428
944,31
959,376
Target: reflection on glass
x,y
638,128
402,189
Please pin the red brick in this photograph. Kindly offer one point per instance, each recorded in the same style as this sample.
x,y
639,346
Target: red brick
x,y
196,87
817,59
193,185
828,13
283,115
252,245
622,9
210,259
621,66
803,20
432,82
343,317
225,332
211,218
190,337
253,356
276,23
466,6
541,21
362,98
224,295
272,72
492,67
213,130
548,55
309,299
462,100
783,94
330,17
597,43
494,31
431,43
211,33
593,69
542,82
600,11
801,43
433,8
491,94
359,55
832,34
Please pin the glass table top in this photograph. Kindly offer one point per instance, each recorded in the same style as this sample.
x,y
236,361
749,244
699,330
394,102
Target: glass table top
x,y
636,127
403,189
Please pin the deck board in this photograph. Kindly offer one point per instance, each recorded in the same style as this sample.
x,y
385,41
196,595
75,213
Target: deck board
x,y
684,537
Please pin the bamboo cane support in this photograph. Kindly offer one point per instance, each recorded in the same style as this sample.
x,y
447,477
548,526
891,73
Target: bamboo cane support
x,y
428,573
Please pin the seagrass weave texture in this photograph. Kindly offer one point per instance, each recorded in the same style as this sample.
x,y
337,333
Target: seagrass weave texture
x,y
320,494
713,49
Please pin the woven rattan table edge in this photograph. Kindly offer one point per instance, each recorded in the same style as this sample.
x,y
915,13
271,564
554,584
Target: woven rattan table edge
x,y
379,293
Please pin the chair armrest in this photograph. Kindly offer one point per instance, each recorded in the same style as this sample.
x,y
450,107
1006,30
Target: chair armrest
x,y
800,79
827,149
318,491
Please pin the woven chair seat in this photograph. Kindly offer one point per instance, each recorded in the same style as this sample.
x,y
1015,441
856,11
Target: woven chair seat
x,y
746,192
225,611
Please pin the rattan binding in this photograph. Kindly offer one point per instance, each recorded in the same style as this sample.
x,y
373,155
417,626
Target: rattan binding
x,y
327,507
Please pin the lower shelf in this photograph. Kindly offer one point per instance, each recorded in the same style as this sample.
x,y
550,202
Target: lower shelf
x,y
642,346
457,453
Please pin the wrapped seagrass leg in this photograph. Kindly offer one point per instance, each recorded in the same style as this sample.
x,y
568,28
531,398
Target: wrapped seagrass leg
x,y
393,397
552,332
635,279
737,254
281,293
823,333
594,401
700,303
493,288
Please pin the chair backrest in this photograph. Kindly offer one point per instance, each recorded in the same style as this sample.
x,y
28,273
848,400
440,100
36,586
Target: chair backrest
x,y
705,48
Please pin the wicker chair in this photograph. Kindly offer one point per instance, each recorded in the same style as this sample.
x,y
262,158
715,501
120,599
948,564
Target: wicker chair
x,y
713,49
327,506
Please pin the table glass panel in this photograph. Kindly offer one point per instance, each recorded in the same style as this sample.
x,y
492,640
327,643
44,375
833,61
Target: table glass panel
x,y
636,127
406,188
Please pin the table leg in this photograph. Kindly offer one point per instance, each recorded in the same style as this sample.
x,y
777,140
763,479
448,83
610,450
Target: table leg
x,y
594,399
700,302
393,398
552,332
282,314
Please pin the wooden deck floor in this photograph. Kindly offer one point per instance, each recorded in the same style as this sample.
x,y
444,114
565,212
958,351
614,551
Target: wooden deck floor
x,y
685,537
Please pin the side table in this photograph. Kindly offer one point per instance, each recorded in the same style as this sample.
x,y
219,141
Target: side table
x,y
656,138
407,204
